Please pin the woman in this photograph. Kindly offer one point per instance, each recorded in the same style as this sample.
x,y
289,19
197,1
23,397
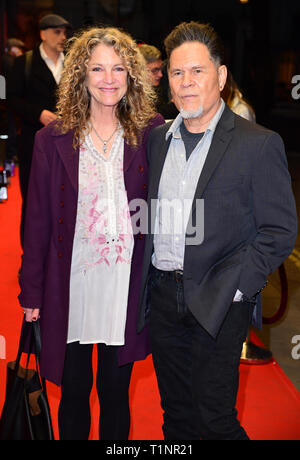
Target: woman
x,y
81,264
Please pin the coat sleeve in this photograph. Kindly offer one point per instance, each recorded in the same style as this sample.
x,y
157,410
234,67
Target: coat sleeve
x,y
37,228
275,216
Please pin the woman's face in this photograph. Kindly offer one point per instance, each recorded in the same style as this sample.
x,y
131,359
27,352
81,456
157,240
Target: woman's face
x,y
106,77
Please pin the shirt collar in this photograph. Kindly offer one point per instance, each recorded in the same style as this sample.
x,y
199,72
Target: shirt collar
x,y
175,131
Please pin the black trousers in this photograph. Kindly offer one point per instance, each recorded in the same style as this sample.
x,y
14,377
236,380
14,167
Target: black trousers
x,y
113,381
197,376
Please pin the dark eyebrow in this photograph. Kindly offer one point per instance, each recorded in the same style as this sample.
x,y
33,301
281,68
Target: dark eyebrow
x,y
198,66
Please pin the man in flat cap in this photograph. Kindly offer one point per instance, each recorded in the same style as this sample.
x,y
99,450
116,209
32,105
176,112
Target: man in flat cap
x,y
32,86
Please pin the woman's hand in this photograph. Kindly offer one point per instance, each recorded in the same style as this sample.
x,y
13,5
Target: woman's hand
x,y
31,314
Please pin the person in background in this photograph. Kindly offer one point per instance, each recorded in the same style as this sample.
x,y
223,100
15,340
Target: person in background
x,y
235,100
154,62
31,92
82,260
159,80
14,48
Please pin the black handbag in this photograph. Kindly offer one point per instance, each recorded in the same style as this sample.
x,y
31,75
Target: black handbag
x,y
26,412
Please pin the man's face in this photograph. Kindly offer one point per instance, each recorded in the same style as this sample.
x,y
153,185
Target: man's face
x,y
54,38
155,71
195,80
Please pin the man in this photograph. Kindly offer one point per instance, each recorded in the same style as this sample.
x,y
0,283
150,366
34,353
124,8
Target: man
x,y
31,91
201,286
159,80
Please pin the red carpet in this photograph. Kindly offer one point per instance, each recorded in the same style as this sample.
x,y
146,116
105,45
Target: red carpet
x,y
268,403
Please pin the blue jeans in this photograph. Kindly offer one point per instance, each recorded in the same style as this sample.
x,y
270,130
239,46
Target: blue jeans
x,y
197,375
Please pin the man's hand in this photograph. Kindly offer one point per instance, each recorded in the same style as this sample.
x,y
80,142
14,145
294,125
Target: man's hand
x,y
46,117
31,314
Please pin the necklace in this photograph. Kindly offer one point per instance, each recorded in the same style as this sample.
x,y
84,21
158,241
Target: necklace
x,y
105,141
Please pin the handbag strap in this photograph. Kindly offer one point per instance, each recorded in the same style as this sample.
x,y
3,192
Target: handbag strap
x,y
37,337
37,341
22,342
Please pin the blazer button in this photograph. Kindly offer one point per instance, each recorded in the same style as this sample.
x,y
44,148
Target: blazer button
x,y
140,236
60,220
60,239
62,204
141,169
144,187
60,255
62,187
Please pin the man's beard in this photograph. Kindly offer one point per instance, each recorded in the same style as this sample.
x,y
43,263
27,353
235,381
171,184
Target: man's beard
x,y
189,114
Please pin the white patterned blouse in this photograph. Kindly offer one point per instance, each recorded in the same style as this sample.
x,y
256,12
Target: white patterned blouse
x,y
102,249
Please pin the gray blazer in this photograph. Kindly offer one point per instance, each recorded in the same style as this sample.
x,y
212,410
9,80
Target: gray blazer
x,y
250,220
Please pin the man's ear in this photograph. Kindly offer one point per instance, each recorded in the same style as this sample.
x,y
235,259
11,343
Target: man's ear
x,y
222,75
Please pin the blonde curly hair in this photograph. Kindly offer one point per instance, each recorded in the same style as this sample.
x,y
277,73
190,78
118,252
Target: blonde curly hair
x,y
73,106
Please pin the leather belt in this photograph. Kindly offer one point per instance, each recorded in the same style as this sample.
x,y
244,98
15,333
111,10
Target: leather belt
x,y
175,274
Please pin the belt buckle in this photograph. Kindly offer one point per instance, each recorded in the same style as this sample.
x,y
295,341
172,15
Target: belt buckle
x,y
178,274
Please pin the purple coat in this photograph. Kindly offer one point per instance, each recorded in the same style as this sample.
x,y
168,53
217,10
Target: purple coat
x,y
49,232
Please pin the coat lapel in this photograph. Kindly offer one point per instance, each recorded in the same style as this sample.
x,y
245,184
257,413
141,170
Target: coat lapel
x,y
42,72
69,156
